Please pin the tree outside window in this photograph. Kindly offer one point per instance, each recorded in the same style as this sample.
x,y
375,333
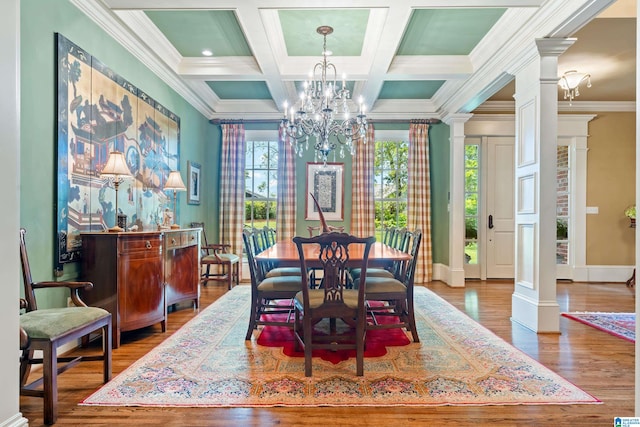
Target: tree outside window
x,y
261,183
390,184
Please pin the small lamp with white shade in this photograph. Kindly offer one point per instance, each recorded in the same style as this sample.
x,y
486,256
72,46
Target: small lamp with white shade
x,y
116,171
175,183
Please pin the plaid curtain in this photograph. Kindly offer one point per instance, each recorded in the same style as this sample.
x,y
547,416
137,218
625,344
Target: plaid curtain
x,y
286,197
232,165
363,208
419,197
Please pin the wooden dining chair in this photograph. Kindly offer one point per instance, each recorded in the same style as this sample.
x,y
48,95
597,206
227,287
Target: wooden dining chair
x,y
270,296
46,330
333,300
226,264
400,241
396,295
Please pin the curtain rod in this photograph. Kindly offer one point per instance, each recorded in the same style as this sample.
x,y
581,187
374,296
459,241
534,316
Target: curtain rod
x,y
237,121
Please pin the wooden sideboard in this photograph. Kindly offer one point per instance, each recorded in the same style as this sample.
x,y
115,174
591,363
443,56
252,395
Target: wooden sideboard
x,y
136,275
182,266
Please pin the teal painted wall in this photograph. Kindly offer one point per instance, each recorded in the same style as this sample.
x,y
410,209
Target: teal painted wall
x,y
440,187
40,20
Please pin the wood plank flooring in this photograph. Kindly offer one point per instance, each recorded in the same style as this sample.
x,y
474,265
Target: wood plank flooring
x,y
599,363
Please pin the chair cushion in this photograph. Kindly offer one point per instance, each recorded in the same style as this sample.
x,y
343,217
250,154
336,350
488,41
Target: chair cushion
x,y
51,323
383,285
230,258
281,283
316,298
284,271
372,272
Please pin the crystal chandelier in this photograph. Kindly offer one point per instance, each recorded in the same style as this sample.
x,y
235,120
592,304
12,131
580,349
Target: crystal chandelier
x,y
323,112
570,82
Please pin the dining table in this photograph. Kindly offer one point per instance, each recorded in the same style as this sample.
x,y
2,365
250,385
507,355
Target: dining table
x,y
285,254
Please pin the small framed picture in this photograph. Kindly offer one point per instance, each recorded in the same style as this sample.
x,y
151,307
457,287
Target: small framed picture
x,y
193,183
325,182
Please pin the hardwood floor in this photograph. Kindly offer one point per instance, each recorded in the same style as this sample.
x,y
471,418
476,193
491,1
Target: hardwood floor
x,y
599,363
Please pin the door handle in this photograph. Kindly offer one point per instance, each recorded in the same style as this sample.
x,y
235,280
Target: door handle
x,y
490,225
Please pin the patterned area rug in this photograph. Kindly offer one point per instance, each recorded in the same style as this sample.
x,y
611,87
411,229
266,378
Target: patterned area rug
x,y
458,362
622,325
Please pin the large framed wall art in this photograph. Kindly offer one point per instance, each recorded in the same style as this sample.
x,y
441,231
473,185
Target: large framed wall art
x,y
325,182
99,112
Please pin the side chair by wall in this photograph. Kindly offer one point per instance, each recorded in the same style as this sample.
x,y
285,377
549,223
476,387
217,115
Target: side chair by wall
x,y
226,265
48,329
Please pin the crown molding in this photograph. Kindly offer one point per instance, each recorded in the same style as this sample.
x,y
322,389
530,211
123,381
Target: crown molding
x,y
114,27
563,106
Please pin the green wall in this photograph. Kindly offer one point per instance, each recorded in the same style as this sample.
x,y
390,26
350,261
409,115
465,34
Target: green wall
x,y
440,166
39,21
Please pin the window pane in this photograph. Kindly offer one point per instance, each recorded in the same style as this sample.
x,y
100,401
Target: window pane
x,y
261,183
390,184
471,227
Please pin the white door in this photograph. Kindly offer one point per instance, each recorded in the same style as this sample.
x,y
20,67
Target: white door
x,y
500,212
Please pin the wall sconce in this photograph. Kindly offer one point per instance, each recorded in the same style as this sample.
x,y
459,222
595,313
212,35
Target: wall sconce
x,y
570,82
116,171
174,182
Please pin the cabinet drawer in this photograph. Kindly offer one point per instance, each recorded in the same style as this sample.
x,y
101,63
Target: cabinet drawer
x,y
189,238
173,240
141,243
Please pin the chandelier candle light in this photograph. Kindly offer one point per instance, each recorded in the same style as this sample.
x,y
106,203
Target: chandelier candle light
x,y
321,104
570,82
116,171
174,182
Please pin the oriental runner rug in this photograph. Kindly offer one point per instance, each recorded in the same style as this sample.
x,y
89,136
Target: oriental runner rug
x,y
208,363
622,325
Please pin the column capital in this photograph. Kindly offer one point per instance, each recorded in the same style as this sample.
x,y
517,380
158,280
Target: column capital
x,y
454,118
554,46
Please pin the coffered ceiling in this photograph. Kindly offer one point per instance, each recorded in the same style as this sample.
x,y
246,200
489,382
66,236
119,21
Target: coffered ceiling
x,y
405,58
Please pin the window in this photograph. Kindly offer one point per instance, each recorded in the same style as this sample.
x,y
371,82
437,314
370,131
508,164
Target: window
x,y
471,173
261,183
390,184
562,206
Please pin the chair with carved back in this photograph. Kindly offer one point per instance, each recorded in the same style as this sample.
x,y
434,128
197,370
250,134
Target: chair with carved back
x,y
47,329
226,265
395,294
334,300
270,296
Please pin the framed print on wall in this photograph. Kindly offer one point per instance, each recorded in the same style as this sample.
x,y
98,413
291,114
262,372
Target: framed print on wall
x,y
193,183
325,182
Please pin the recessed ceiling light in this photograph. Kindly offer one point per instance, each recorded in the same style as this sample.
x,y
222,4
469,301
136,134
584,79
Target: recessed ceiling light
x,y
207,52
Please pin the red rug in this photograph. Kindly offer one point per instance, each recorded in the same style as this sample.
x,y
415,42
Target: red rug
x,y
377,340
621,325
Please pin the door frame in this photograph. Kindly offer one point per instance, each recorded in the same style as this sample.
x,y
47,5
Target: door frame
x,y
572,131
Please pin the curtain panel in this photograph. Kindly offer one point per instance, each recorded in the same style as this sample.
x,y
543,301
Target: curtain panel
x,y
232,186
362,203
286,197
419,197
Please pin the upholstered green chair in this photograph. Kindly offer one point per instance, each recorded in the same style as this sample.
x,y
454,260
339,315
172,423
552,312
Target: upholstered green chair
x,y
396,295
334,300
48,329
227,264
270,296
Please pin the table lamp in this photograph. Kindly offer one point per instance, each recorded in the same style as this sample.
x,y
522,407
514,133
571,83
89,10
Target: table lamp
x,y
174,182
116,170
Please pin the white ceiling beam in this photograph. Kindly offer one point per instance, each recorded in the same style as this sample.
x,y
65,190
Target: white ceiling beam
x,y
287,4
